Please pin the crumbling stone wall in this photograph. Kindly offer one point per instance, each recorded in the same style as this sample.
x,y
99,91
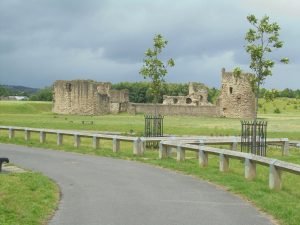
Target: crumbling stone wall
x,y
87,97
237,99
197,96
118,101
176,110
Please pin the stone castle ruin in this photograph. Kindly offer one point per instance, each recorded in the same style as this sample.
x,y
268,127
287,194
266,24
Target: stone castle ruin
x,y
197,96
237,99
87,97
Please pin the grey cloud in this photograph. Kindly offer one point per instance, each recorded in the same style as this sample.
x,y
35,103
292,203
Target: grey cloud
x,y
105,40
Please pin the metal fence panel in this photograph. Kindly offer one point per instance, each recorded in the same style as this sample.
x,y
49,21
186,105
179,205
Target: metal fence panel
x,y
254,137
154,127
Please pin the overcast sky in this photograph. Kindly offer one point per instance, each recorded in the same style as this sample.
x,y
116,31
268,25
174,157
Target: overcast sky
x,y
45,40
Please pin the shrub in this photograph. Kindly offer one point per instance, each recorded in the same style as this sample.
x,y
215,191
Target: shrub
x,y
277,110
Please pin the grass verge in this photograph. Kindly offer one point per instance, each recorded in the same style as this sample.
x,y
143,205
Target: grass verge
x,y
283,205
26,198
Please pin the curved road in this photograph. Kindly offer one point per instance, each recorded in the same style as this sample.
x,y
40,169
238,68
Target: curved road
x,y
105,191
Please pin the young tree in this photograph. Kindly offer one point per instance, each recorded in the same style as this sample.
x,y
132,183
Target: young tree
x,y
261,40
153,68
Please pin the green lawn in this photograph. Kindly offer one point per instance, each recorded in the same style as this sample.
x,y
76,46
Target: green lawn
x,y
26,198
38,114
283,205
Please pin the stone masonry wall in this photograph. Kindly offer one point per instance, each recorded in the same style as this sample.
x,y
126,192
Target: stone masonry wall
x,y
237,99
197,96
178,110
86,97
81,97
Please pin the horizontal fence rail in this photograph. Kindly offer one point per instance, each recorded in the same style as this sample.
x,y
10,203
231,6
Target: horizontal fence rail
x,y
275,166
181,144
138,143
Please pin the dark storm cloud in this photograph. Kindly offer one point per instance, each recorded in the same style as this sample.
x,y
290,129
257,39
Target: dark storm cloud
x,y
41,41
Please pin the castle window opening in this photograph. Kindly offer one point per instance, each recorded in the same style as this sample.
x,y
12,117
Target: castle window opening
x,y
201,98
69,87
188,101
230,90
175,100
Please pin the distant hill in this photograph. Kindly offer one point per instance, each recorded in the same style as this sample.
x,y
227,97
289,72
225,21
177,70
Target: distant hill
x,y
19,90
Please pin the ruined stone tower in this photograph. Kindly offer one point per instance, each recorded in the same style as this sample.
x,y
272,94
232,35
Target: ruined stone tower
x,y
87,97
237,99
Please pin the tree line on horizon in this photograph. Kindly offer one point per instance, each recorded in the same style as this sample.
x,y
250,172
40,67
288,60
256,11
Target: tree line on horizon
x,y
139,92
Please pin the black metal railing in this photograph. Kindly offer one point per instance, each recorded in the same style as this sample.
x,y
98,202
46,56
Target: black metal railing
x,y
254,137
154,127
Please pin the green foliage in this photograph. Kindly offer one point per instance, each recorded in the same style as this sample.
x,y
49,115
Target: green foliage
x,y
4,91
213,94
277,111
262,39
153,68
287,93
139,91
13,90
270,95
45,94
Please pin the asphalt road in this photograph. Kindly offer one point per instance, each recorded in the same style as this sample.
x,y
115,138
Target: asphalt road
x,y
105,191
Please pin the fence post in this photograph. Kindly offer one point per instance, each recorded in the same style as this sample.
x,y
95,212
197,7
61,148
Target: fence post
x,y
27,135
11,133
96,142
285,147
162,153
274,177
138,147
224,163
250,169
203,156
116,144
60,138
76,140
42,137
234,145
180,153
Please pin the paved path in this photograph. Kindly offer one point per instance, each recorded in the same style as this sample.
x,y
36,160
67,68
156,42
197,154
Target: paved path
x,y
104,191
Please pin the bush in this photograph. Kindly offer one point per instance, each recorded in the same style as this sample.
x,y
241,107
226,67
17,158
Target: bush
x,y
277,111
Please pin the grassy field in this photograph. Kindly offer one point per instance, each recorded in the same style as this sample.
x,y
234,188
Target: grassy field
x,y
26,198
38,114
283,205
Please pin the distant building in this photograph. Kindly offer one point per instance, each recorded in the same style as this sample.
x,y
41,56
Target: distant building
x,y
88,97
236,100
15,98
